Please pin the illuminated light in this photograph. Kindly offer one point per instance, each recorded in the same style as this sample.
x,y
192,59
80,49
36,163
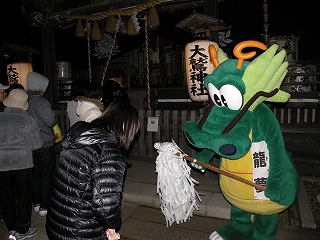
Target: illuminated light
x,y
17,73
198,65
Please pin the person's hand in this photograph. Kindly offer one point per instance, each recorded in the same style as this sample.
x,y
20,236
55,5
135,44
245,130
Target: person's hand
x,y
112,234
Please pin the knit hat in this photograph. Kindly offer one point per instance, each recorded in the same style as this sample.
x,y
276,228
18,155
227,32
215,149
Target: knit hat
x,y
17,98
2,87
37,82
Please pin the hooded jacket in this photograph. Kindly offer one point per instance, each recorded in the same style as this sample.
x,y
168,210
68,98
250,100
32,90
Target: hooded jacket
x,y
87,187
89,108
40,107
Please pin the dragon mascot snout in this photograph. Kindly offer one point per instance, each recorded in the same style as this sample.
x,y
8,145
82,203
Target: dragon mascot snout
x,y
240,128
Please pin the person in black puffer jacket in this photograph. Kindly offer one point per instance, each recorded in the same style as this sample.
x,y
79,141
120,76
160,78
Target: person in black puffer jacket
x,y
86,192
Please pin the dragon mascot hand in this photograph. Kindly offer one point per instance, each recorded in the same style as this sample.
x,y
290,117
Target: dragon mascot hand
x,y
244,132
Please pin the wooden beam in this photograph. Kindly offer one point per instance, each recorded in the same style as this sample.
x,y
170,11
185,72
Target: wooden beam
x,y
100,7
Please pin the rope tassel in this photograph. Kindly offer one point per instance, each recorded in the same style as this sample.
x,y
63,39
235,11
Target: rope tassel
x,y
133,25
153,19
80,29
175,186
111,25
96,32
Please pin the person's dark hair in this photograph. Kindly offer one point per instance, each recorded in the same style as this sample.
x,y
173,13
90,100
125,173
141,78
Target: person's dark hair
x,y
94,90
78,88
13,86
121,120
118,73
112,91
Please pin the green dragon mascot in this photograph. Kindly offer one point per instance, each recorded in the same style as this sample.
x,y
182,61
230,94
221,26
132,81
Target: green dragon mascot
x,y
240,128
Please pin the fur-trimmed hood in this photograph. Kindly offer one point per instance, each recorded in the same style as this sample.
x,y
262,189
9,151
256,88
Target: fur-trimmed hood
x,y
91,100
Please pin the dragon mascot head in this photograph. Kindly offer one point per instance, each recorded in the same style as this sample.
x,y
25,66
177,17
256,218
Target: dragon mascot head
x,y
240,128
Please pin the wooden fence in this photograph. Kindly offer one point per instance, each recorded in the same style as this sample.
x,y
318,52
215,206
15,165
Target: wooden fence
x,y
298,120
292,120
170,128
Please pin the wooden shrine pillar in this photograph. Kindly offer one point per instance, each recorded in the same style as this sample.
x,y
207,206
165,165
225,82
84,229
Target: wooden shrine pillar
x,y
211,9
49,64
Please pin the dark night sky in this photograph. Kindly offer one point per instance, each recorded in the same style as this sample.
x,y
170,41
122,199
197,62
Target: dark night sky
x,y
286,18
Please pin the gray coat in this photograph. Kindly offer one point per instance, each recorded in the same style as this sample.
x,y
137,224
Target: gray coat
x,y
40,109
20,135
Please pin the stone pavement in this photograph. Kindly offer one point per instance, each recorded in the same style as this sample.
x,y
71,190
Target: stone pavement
x,y
143,219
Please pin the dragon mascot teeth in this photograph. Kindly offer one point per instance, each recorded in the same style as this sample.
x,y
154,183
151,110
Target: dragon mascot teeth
x,y
240,128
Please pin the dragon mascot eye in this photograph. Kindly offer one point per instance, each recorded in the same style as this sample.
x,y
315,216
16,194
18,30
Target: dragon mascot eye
x,y
228,96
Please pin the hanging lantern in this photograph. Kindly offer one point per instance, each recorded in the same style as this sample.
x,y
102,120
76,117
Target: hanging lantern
x,y
17,73
197,67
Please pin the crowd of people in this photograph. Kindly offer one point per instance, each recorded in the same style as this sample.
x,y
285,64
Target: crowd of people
x,y
80,193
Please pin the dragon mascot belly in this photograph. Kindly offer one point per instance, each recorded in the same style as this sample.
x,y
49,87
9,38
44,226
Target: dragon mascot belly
x,y
240,128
